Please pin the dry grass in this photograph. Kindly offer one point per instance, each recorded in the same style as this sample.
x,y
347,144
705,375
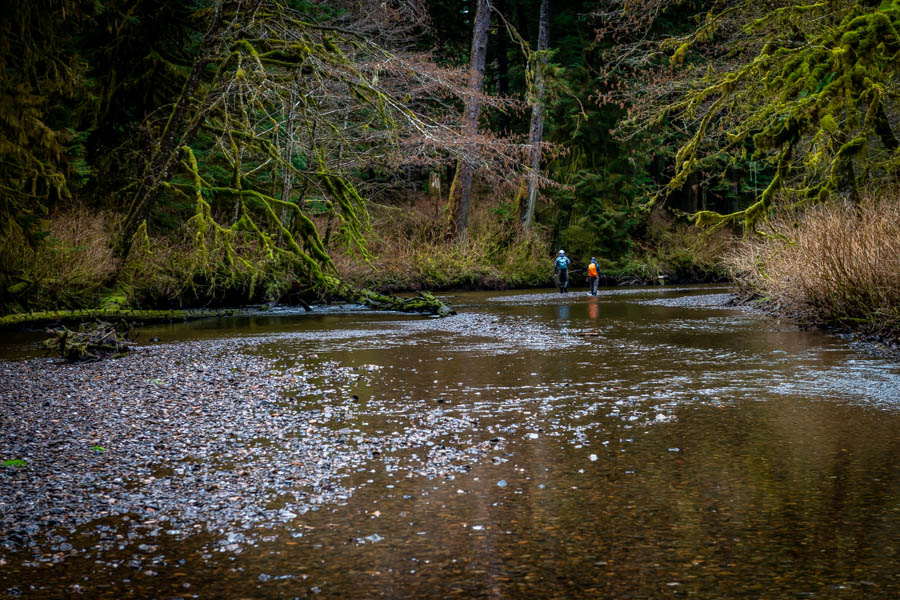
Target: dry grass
x,y
836,265
411,252
70,266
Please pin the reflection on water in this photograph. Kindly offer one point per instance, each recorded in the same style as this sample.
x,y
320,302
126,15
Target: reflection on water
x,y
593,310
562,313
539,446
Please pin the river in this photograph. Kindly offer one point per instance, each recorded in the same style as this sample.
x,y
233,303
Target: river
x,y
643,443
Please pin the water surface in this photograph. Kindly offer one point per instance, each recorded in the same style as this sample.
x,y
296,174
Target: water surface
x,y
644,443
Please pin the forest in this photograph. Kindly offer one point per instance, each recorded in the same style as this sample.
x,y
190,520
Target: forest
x,y
205,153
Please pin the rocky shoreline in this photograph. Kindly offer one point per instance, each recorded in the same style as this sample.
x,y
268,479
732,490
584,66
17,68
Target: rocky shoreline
x,y
180,439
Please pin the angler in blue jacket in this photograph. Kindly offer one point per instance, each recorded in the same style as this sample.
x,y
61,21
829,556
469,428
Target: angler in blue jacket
x,y
561,270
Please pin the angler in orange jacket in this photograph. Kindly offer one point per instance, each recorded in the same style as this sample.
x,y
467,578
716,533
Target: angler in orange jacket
x,y
593,275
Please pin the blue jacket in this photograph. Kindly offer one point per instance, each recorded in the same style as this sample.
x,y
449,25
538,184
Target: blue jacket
x,y
561,262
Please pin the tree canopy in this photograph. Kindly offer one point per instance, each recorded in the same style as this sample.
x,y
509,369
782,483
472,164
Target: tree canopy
x,y
810,90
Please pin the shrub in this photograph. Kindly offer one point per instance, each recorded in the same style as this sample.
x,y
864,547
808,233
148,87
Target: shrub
x,y
836,264
67,269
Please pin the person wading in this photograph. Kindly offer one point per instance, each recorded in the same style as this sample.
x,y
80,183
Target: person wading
x,y
561,270
593,275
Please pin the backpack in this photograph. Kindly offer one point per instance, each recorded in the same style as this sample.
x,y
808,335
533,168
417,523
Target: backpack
x,y
592,270
562,262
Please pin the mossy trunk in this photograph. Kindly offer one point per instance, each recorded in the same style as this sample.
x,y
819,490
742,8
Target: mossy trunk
x,y
70,316
536,132
424,302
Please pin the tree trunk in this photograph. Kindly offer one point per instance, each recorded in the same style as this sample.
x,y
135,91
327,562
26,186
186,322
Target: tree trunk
x,y
461,188
883,129
286,180
847,188
536,134
434,184
503,68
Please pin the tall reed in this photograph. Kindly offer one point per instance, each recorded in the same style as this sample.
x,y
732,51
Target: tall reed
x,y
836,265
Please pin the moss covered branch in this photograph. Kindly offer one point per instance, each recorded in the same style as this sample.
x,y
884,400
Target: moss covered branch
x,y
809,89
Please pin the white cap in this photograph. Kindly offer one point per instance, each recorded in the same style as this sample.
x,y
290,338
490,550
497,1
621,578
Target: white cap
x,y
562,252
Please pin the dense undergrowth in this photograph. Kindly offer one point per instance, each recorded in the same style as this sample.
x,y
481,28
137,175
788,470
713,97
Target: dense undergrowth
x,y
74,266
676,250
411,253
836,265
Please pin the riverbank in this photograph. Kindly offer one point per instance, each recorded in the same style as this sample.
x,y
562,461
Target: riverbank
x,y
834,266
74,267
818,268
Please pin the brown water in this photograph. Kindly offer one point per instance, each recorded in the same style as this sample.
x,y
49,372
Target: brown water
x,y
644,443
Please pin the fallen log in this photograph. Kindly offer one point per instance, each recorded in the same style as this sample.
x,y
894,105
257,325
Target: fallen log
x,y
79,315
423,302
90,342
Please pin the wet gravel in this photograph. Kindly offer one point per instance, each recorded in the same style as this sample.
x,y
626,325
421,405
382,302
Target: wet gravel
x,y
695,301
189,437
212,438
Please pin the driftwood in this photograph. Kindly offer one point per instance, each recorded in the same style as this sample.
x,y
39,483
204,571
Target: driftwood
x,y
91,342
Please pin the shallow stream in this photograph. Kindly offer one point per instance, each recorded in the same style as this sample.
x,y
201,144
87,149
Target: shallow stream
x,y
643,443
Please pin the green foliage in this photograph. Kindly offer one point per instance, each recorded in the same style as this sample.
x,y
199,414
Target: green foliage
x,y
599,208
259,135
209,117
680,251
39,78
812,93
166,272
230,146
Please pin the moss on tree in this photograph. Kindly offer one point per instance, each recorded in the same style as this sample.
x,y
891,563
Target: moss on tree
x,y
810,88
